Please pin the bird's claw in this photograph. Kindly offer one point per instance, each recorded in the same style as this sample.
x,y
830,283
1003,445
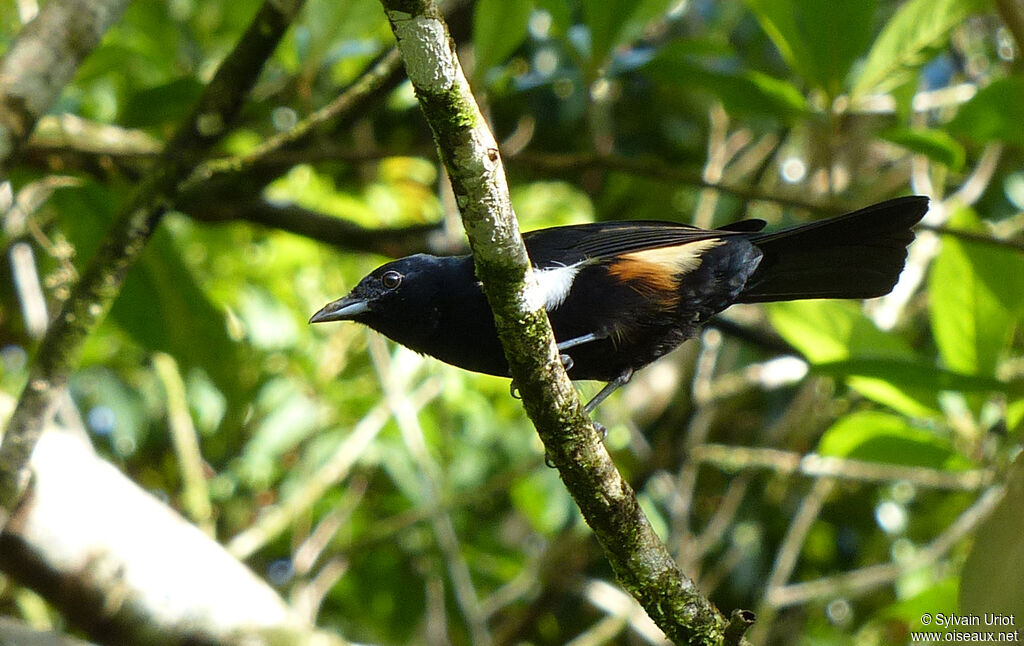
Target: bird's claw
x,y
567,362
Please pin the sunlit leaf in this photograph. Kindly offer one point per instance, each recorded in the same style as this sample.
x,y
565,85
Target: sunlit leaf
x,y
976,295
937,597
289,416
875,436
829,330
819,40
914,374
937,145
833,332
499,26
908,41
994,114
161,306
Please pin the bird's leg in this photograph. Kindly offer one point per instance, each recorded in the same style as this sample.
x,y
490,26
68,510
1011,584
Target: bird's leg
x,y
580,340
567,361
608,389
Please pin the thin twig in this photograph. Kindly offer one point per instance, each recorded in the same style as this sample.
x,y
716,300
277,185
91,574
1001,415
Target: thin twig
x,y
309,595
812,465
195,494
789,551
305,556
275,520
659,170
974,236
872,577
343,234
616,603
721,520
979,179
369,82
792,543
395,389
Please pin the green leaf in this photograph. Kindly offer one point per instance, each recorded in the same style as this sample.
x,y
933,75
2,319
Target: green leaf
x,y
747,92
995,113
875,436
499,27
161,305
915,374
831,332
976,295
937,145
992,575
908,41
616,22
289,416
819,40
939,596
161,104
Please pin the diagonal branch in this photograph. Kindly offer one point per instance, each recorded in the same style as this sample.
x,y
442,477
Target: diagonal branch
x,y
42,59
470,155
93,295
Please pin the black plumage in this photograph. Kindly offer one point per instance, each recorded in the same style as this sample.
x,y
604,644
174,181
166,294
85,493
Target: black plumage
x,y
621,294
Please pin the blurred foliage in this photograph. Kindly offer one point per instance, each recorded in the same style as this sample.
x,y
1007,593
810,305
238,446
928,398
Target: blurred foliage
x,y
448,517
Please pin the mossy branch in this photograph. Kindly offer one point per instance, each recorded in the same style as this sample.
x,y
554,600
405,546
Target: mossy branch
x,y
101,281
470,154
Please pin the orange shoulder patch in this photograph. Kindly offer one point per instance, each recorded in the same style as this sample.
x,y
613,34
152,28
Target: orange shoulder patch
x,y
658,270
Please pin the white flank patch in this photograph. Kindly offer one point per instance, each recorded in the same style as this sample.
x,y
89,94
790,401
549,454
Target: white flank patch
x,y
551,286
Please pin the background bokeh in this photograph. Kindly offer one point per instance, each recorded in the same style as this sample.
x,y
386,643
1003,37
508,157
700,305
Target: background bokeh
x,y
409,502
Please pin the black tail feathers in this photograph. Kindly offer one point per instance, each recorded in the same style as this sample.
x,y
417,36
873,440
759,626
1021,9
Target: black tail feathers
x,y
857,255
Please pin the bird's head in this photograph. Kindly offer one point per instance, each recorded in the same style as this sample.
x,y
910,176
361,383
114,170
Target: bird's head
x,y
399,299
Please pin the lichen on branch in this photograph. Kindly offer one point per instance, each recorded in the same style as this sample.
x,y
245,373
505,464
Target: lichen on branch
x,y
470,155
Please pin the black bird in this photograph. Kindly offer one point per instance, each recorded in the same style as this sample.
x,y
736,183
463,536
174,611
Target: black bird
x,y
622,294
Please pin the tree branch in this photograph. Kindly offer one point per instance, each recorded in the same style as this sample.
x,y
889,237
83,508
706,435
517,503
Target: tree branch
x,y
394,242
660,170
95,292
127,569
382,75
42,59
470,155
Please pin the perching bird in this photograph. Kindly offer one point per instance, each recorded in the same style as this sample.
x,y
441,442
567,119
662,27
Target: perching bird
x,y
622,294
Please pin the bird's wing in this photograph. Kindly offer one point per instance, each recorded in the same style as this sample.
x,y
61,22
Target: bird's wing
x,y
607,240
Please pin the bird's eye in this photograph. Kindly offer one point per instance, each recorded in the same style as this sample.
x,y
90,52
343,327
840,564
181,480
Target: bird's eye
x,y
391,279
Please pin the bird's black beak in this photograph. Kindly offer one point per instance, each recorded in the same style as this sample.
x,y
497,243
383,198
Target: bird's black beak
x,y
343,309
